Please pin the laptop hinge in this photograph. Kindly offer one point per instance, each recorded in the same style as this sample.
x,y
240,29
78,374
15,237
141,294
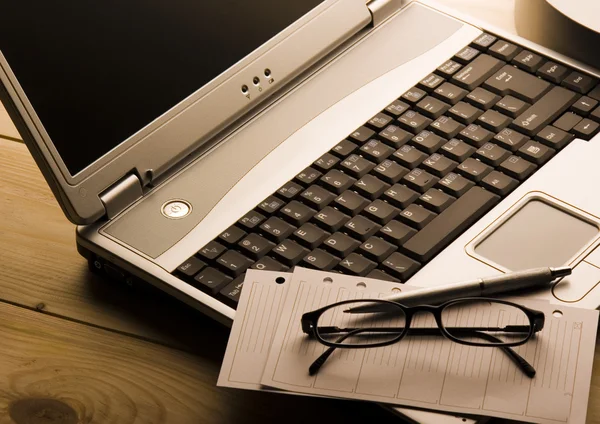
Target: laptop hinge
x,y
383,9
121,194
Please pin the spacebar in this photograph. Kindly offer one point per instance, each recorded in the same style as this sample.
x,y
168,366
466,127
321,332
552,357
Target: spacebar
x,y
448,225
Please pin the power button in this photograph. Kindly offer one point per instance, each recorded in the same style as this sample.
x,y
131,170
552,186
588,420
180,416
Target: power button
x,y
176,209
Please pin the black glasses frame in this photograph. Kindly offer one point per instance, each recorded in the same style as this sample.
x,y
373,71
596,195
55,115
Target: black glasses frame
x,y
309,322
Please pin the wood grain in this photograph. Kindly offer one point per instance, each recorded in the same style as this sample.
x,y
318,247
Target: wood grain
x,y
7,128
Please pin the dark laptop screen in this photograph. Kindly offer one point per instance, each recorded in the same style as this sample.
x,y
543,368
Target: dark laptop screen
x,y
98,71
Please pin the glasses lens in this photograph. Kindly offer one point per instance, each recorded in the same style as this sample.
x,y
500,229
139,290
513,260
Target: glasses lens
x,y
369,327
485,322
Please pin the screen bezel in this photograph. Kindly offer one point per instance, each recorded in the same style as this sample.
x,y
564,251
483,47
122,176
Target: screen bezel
x,y
178,132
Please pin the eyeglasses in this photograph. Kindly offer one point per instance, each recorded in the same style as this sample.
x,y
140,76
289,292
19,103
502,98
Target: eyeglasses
x,y
469,321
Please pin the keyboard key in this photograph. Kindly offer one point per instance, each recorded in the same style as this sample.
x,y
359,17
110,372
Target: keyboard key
x,y
251,220
355,264
276,229
448,225
579,82
396,232
212,250
427,141
397,108
567,121
446,127
376,151
362,134
450,93
317,197
330,219
435,200
319,259
413,95
350,202
191,266
270,205
518,83
448,69
553,72
492,154
466,55
336,181
379,121
483,41
553,137
493,120
395,136
546,110
409,156
211,280
498,183
455,185
504,50
380,211
376,248
473,169
595,93
308,176
464,113
231,235
438,165
595,115
586,129
370,186
457,150
584,106
344,148
296,213
361,228
511,106
255,246
357,166
517,167
400,196
234,263
380,275
310,235
289,252
416,216
475,73
414,121
289,190
432,107
326,162
430,82
510,139
389,171
528,61
482,99
401,266
268,264
475,135
230,294
340,245
419,180
536,152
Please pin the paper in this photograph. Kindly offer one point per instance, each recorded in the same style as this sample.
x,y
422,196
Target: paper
x,y
437,373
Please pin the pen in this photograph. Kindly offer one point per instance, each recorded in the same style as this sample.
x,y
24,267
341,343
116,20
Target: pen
x,y
479,287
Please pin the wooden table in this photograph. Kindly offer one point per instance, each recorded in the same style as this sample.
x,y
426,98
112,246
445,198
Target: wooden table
x,y
76,348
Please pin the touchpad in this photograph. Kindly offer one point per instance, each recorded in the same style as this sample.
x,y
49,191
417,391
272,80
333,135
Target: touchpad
x,y
541,232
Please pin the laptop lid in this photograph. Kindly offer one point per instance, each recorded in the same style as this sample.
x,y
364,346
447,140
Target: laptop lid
x,y
114,93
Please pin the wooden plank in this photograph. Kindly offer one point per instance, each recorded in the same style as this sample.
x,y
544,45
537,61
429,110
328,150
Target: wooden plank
x,y
7,128
60,372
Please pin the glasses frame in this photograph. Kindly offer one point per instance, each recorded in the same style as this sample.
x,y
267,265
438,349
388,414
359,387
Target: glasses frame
x,y
309,321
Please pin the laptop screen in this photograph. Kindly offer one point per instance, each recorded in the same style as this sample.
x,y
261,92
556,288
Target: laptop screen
x,y
96,72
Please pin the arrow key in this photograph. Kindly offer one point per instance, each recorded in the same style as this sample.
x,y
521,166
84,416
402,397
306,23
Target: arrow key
x,y
586,129
584,106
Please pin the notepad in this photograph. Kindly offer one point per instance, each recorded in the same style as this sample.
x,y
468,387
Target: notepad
x,y
431,373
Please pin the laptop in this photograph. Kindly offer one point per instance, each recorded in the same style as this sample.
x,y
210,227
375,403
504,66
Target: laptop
x,y
193,141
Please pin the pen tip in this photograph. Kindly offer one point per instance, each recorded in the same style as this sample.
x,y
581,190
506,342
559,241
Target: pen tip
x,y
560,271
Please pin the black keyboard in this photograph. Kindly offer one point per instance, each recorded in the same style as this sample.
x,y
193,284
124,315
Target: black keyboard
x,y
399,189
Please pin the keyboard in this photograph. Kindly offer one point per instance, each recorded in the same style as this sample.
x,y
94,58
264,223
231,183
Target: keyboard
x,y
398,190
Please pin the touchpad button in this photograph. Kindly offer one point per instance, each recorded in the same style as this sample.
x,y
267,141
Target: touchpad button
x,y
540,233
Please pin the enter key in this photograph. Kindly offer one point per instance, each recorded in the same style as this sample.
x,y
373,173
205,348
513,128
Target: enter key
x,y
520,84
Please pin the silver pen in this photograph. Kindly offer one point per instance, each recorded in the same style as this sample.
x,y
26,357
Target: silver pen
x,y
480,287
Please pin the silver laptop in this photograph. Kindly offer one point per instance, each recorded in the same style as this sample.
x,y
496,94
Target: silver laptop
x,y
193,141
